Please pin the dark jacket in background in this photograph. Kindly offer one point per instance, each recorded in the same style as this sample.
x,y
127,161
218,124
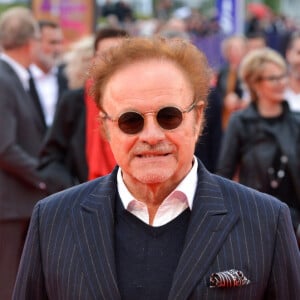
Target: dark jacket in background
x,y
209,143
251,145
62,158
21,136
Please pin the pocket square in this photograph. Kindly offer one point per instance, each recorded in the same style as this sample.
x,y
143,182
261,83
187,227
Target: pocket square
x,y
230,278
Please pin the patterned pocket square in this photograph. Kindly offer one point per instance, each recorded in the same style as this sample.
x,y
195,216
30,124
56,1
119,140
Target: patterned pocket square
x,y
230,278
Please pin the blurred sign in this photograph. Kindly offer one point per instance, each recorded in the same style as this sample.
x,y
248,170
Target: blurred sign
x,y
76,17
231,16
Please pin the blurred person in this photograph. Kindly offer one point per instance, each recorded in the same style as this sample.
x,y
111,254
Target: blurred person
x,y
173,28
107,9
21,136
124,12
228,83
263,141
47,72
163,9
255,40
292,93
100,159
208,146
160,226
62,157
77,61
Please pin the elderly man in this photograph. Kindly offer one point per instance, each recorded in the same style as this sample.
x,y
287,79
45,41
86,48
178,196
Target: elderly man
x,y
21,136
160,226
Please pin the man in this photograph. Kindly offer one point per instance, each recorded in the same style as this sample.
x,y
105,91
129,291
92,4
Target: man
x,y
74,140
49,79
160,226
255,40
21,135
228,85
292,94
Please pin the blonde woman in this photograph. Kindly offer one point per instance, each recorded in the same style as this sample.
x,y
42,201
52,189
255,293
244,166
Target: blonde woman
x,y
262,141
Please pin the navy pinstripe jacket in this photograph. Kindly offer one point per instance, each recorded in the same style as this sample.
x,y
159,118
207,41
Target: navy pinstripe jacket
x,y
69,252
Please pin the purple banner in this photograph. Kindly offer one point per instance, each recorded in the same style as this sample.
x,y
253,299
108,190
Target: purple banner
x,y
230,15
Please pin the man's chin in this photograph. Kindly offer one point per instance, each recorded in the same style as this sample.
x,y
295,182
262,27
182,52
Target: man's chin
x,y
153,176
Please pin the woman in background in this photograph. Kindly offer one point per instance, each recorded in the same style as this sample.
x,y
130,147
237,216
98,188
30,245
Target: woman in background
x,y
262,142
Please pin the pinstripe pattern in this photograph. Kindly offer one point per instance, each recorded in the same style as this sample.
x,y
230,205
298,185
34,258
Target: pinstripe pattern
x,y
69,253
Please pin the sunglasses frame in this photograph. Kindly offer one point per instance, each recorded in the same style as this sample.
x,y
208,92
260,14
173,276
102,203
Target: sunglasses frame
x,y
106,116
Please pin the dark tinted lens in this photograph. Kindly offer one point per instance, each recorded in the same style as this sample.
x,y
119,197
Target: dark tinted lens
x,y
169,117
131,122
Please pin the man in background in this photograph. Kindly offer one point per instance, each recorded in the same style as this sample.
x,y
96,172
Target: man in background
x,y
21,135
49,79
228,85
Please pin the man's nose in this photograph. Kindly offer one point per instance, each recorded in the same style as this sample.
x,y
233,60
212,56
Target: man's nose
x,y
152,132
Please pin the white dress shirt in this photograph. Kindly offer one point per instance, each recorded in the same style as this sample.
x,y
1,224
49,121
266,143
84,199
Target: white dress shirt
x,y
46,85
293,99
176,202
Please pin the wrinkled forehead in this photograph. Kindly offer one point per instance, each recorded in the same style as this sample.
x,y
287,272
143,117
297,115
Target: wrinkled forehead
x,y
150,79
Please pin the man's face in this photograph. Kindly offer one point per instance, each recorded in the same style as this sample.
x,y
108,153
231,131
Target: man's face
x,y
50,46
153,155
293,58
235,52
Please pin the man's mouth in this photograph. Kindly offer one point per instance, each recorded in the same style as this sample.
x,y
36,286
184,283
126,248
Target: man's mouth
x,y
153,155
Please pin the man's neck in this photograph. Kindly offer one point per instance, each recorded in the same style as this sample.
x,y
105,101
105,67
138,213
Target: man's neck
x,y
20,55
44,68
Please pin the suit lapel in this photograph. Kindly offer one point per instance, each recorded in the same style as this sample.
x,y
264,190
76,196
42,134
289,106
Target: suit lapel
x,y
94,230
9,71
209,226
36,100
93,224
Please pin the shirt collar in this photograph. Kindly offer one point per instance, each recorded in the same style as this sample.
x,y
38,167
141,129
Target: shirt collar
x,y
20,70
187,186
39,73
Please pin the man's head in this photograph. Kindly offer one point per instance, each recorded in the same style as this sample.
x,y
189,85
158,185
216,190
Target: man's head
x,y
233,50
108,37
255,40
293,55
18,30
151,94
50,46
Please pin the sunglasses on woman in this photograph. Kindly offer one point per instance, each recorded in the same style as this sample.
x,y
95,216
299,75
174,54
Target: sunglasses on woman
x,y
132,122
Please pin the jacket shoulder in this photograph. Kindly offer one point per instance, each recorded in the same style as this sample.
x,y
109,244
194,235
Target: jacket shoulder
x,y
76,195
236,193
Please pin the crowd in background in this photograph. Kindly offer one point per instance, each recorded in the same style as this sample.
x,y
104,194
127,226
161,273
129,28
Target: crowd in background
x,y
35,161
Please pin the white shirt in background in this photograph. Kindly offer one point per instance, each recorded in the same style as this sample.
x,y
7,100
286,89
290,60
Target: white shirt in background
x,y
47,89
293,99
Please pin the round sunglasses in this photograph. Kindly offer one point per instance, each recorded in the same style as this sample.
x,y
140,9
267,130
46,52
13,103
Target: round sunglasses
x,y
132,122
